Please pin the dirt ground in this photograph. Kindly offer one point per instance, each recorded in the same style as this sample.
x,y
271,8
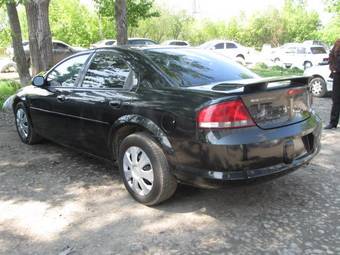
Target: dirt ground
x,y
56,201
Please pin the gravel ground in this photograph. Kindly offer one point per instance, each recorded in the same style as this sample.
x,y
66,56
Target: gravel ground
x,y
56,201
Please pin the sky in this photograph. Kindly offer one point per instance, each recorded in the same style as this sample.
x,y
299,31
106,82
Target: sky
x,y
225,9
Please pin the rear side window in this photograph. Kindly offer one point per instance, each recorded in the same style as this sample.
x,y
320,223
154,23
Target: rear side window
x,y
66,74
108,70
318,50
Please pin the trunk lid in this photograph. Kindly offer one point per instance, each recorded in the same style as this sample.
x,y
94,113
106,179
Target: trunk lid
x,y
271,102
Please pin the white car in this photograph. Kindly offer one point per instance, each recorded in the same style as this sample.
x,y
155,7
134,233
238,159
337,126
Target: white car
x,y
176,43
229,49
320,83
300,55
131,41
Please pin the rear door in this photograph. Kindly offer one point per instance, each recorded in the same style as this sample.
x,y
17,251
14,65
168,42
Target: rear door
x,y
106,91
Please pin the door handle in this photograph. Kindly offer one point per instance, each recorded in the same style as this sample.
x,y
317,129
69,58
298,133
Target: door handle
x,y
115,103
61,98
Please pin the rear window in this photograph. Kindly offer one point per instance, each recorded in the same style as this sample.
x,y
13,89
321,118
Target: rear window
x,y
318,50
197,67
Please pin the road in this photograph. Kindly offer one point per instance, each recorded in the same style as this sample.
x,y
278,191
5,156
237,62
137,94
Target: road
x,y
56,201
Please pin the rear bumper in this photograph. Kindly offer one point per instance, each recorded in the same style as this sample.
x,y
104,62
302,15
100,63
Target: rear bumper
x,y
257,160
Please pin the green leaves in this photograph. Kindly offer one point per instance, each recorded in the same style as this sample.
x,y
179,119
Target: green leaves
x,y
137,10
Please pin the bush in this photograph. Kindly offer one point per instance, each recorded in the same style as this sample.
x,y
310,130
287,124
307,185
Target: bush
x,y
264,71
7,88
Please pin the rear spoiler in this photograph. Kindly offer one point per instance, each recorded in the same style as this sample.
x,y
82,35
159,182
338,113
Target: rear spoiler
x,y
251,85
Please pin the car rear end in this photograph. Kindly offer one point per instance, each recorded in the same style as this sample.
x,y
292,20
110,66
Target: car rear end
x,y
255,128
229,124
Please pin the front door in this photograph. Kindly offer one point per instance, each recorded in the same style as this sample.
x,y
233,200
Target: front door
x,y
54,110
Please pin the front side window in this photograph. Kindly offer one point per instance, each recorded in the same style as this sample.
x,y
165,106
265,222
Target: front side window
x,y
66,74
108,70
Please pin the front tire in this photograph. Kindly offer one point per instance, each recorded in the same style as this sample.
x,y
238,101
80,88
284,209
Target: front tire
x,y
318,87
145,170
24,126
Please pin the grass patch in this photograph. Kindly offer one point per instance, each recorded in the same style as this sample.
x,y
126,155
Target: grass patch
x,y
7,88
265,71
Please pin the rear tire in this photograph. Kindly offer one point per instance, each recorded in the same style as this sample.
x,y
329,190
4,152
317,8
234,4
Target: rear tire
x,y
24,126
145,170
318,87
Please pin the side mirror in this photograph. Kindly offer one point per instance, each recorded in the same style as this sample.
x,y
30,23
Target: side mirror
x,y
38,81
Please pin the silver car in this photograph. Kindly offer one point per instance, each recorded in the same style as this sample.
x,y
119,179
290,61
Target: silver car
x,y
320,83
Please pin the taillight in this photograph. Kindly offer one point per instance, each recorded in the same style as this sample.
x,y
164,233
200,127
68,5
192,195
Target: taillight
x,y
294,92
232,114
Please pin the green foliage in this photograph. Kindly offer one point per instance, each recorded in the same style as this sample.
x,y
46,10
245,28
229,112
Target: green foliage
x,y
137,10
73,23
76,24
265,71
5,32
7,88
166,26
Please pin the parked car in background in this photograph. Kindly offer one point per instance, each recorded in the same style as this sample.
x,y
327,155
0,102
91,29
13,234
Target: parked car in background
x,y
60,49
320,83
131,41
228,49
141,42
104,43
300,55
176,43
171,115
9,51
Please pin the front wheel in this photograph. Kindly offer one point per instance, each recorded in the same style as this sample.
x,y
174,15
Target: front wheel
x,y
145,170
24,126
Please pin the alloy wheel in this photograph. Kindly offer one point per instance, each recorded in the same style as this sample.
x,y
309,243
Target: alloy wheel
x,y
22,123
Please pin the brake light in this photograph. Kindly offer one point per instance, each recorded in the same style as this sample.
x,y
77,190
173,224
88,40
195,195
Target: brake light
x,y
232,114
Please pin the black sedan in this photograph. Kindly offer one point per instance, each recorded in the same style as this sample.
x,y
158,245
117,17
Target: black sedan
x,y
171,115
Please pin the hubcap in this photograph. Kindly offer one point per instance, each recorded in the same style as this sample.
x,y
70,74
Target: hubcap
x,y
138,170
316,87
22,123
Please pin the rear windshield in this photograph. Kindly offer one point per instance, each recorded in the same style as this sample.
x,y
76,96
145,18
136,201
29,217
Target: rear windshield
x,y
197,67
318,50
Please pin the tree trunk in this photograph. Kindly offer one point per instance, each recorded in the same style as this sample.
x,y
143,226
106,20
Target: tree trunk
x,y
121,22
40,39
19,54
